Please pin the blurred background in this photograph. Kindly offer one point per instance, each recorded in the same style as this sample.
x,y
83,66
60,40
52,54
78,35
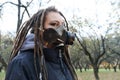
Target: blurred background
x,y
96,50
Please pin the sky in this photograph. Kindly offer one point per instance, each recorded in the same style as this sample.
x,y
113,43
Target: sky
x,y
84,8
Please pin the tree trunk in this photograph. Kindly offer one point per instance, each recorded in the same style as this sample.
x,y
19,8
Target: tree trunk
x,y
119,66
115,68
95,69
4,64
19,11
80,67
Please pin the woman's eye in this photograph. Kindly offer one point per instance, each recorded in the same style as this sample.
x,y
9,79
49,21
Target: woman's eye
x,y
53,24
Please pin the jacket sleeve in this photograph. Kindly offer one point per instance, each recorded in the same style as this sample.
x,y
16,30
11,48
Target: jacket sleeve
x,y
15,71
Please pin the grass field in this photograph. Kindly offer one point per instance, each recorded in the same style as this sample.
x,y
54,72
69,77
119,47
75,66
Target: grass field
x,y
2,75
103,74
88,75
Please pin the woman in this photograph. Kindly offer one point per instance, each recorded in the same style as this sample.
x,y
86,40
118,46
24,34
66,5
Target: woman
x,y
42,54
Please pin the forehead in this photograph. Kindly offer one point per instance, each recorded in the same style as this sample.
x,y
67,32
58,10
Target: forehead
x,y
54,16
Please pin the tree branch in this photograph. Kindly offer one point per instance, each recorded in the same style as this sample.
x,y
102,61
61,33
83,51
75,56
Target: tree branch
x,y
7,3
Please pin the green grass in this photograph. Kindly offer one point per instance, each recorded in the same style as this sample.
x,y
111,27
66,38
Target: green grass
x,y
2,75
88,75
103,74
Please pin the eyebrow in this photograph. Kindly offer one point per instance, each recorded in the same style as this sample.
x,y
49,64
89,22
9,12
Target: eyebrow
x,y
54,21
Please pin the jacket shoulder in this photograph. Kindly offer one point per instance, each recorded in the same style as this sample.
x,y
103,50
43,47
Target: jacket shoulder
x,y
21,66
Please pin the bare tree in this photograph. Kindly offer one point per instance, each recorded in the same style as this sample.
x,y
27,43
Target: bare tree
x,y
94,49
20,14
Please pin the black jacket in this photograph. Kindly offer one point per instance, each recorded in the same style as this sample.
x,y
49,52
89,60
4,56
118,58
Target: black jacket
x,y
22,66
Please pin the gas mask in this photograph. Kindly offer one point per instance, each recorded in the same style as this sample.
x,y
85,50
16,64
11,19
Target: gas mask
x,y
58,36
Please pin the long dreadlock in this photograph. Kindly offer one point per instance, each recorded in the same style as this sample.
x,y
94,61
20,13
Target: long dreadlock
x,y
36,23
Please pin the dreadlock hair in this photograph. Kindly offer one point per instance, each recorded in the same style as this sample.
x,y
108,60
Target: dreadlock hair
x,y
36,25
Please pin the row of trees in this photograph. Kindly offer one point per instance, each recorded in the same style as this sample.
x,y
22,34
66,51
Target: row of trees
x,y
96,53
97,43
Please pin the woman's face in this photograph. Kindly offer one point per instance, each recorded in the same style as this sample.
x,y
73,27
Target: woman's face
x,y
53,20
